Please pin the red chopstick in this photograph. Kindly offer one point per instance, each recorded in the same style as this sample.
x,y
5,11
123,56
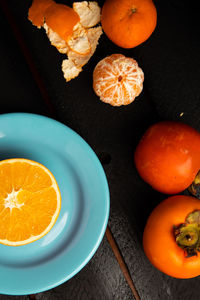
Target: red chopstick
x,y
121,262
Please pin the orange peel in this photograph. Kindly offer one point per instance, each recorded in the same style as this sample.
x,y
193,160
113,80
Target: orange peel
x,y
70,70
70,30
93,36
89,13
56,40
36,13
79,42
61,19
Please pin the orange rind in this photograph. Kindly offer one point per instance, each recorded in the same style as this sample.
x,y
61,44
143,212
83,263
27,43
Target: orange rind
x,y
61,19
73,66
70,70
79,42
36,13
56,40
117,80
71,31
89,13
93,36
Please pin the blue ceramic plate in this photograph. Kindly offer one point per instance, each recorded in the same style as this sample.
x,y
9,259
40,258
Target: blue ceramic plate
x,y
82,221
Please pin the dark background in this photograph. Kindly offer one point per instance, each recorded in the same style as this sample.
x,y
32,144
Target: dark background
x,y
170,59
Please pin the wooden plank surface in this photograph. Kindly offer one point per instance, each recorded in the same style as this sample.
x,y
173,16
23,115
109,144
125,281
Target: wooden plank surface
x,y
170,60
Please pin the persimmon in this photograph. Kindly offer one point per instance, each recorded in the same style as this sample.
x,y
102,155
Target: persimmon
x,y
171,237
128,23
168,156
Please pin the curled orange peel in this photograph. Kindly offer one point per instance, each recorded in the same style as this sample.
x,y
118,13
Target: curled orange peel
x,y
36,13
59,17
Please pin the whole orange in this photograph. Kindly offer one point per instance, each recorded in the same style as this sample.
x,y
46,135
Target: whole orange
x,y
128,23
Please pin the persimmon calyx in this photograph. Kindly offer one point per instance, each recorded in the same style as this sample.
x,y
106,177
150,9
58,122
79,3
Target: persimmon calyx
x,y
133,10
187,234
194,188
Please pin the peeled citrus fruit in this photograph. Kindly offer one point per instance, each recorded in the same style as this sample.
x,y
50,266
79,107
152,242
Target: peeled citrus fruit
x,y
30,201
117,79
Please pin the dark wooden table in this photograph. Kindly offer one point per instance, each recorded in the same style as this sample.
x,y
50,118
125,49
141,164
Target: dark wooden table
x,y
170,60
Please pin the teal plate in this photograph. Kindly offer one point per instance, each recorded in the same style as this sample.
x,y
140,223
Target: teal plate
x,y
83,218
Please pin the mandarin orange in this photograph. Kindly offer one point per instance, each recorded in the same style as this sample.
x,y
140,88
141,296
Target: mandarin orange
x,y
117,80
128,23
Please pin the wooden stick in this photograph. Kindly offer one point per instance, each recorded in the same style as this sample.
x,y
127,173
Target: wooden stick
x,y
32,297
121,262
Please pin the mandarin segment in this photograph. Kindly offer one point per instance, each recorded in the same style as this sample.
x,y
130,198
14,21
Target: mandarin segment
x,y
30,196
117,80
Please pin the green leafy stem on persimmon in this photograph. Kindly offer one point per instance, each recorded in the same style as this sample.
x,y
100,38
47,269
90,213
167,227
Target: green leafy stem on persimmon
x,y
187,234
194,188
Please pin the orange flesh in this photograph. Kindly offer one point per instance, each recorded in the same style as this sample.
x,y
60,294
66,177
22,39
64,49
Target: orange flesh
x,y
29,201
117,80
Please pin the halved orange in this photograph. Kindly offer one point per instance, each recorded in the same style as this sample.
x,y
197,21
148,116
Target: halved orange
x,y
30,201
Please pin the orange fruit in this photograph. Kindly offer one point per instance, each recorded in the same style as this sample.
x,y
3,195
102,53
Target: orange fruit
x,y
30,201
117,79
128,23
37,11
